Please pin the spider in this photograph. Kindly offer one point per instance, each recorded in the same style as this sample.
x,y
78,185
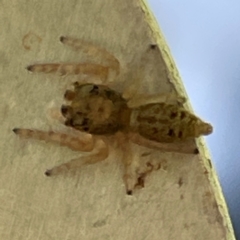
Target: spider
x,y
105,116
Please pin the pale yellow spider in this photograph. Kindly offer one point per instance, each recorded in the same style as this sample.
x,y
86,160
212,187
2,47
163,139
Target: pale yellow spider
x,y
107,117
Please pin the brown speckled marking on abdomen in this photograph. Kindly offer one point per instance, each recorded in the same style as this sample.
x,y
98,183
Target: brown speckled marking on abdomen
x,y
165,123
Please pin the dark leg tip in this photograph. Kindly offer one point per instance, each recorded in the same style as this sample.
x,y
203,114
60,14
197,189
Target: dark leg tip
x,y
129,192
48,173
64,110
15,130
153,46
62,38
29,68
196,151
76,84
69,122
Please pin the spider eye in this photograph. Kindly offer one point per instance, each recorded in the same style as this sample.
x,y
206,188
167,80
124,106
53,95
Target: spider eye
x,y
183,115
85,121
69,122
84,124
170,132
69,95
76,84
95,89
109,93
65,110
173,115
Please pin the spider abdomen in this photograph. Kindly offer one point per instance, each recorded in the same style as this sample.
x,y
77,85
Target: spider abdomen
x,y
167,123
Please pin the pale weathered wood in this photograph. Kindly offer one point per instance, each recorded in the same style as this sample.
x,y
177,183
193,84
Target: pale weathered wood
x,y
182,200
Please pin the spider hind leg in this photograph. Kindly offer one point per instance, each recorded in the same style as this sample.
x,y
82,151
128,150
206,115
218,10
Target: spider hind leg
x,y
86,145
72,142
100,155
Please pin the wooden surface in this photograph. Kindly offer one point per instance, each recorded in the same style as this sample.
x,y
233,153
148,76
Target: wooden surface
x,y
182,200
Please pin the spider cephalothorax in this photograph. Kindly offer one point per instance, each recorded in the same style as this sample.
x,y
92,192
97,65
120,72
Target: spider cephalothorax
x,y
95,109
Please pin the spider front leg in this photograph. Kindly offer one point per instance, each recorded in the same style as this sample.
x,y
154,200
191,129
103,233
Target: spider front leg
x,y
137,100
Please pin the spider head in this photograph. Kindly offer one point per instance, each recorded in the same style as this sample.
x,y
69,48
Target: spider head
x,y
94,109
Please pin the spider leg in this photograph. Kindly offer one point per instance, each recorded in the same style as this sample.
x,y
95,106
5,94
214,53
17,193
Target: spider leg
x,y
92,51
144,99
132,178
90,69
74,143
136,170
101,154
106,71
129,177
181,147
